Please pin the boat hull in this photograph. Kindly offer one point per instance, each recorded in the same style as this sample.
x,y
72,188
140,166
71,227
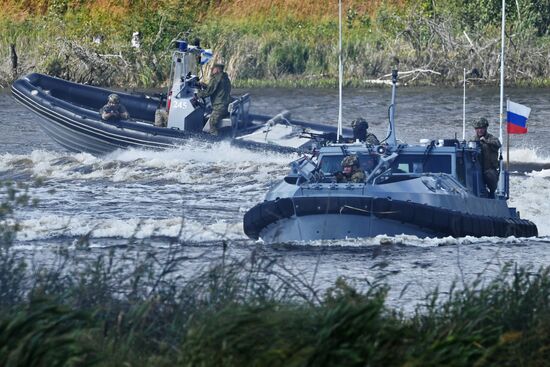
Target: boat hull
x,y
336,227
322,218
69,113
79,128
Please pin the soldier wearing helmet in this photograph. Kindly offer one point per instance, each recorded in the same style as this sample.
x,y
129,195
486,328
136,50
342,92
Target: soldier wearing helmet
x,y
350,170
113,110
360,128
489,154
219,91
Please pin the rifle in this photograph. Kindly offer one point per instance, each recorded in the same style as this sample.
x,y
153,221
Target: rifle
x,y
112,110
322,138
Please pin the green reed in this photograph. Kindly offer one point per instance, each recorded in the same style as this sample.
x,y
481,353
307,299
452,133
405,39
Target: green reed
x,y
434,42
136,305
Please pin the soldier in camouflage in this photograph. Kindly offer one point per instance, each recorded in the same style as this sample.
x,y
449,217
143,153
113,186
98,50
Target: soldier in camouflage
x,y
350,170
219,91
360,128
489,154
114,110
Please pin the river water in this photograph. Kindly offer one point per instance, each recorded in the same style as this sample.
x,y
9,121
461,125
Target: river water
x,y
199,193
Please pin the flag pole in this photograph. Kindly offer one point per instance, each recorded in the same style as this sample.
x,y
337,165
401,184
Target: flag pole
x,y
502,66
507,142
464,108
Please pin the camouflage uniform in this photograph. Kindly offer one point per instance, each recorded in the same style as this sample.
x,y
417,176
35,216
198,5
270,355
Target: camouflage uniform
x,y
356,175
161,117
219,91
489,155
372,139
360,127
114,107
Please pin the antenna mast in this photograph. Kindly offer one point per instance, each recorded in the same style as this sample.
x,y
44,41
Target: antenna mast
x,y
502,66
502,186
340,71
392,139
464,107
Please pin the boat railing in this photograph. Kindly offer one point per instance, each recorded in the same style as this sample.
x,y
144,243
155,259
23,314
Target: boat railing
x,y
382,168
239,112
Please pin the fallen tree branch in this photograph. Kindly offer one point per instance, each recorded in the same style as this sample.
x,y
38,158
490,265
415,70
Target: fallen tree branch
x,y
415,71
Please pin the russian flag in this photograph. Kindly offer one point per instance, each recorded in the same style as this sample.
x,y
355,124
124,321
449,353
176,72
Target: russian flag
x,y
517,116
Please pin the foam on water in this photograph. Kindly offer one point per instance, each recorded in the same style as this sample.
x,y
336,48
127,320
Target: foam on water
x,y
527,155
408,240
130,165
124,165
141,193
200,152
530,196
51,226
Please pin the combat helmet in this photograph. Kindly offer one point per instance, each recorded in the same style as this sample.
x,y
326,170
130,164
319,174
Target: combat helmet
x,y
350,161
481,123
359,122
114,98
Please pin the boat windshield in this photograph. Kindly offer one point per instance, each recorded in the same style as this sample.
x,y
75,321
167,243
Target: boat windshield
x,y
331,164
419,163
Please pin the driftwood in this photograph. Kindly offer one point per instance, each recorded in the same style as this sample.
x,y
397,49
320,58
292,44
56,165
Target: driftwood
x,y
119,56
84,65
410,73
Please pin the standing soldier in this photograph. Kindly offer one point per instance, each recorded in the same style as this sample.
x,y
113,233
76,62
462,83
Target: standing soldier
x,y
489,154
219,91
360,128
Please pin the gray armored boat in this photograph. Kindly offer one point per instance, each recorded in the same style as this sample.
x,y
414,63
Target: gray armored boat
x,y
69,114
433,189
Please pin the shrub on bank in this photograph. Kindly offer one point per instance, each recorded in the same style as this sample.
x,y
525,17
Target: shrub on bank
x,y
284,44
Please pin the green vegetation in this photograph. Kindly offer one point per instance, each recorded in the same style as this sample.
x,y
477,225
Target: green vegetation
x,y
123,307
287,43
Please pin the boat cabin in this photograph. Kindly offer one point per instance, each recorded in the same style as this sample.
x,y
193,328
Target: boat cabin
x,y
388,164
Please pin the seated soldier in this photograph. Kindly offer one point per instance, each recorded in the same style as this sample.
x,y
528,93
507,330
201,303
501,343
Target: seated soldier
x,y
368,163
350,170
360,128
161,117
113,110
161,113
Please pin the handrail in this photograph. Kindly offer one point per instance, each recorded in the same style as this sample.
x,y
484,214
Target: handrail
x,y
238,112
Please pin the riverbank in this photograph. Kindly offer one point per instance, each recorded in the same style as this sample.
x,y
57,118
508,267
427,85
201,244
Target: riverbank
x,y
282,45
90,307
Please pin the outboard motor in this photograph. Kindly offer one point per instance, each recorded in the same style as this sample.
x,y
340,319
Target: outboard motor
x,y
185,111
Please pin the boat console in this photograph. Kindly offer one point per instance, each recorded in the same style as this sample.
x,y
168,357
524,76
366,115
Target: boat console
x,y
186,111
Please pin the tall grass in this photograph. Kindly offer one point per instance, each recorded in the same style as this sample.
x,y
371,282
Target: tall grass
x,y
137,306
46,334
277,43
128,307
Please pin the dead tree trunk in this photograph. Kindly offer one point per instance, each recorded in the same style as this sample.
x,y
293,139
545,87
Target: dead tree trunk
x,y
13,60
